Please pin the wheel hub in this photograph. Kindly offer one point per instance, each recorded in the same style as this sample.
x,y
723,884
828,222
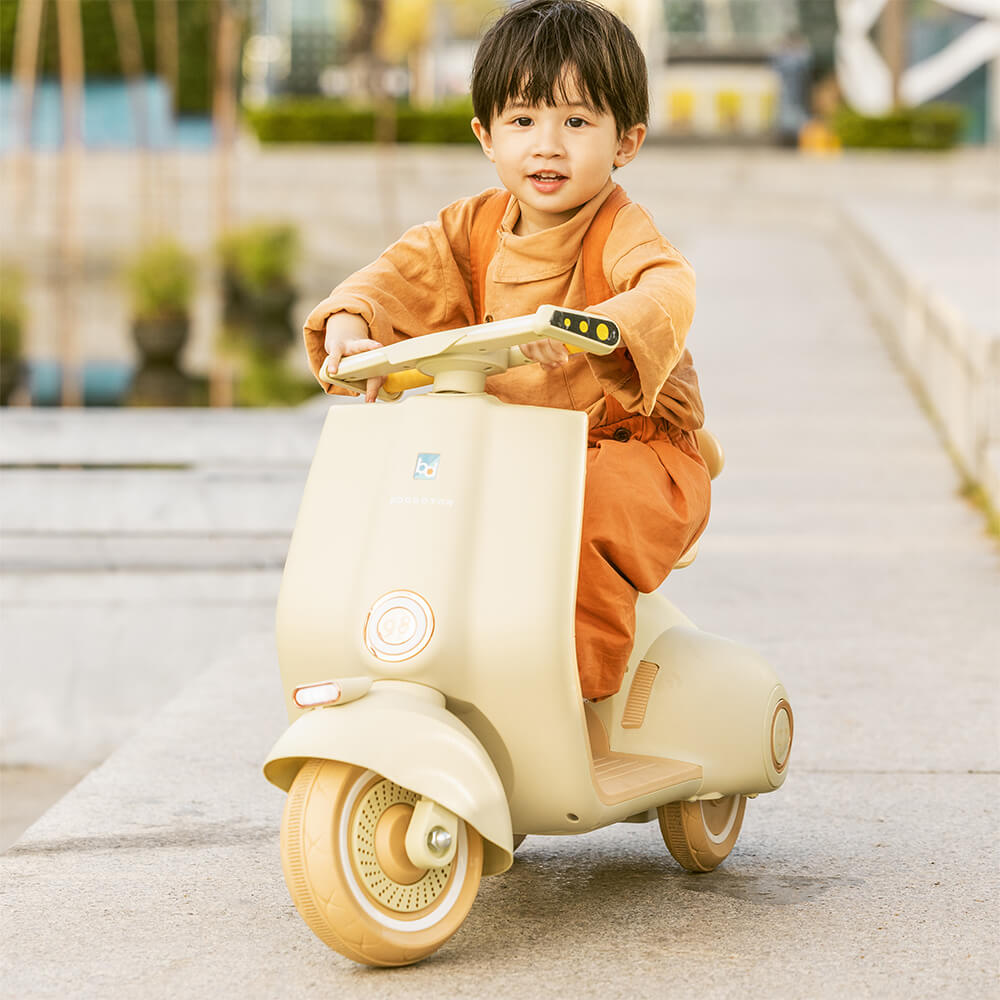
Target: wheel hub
x,y
378,851
390,845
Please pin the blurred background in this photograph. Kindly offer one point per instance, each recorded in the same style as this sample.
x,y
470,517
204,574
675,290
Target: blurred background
x,y
165,162
181,180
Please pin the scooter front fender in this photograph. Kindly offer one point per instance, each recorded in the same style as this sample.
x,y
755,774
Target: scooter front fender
x,y
413,741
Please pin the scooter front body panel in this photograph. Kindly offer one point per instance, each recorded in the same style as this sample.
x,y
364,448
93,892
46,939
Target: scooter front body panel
x,y
438,542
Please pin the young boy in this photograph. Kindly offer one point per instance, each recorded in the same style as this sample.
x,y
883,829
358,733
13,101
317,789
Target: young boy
x,y
560,96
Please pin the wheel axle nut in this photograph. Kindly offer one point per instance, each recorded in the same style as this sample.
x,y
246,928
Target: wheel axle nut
x,y
439,840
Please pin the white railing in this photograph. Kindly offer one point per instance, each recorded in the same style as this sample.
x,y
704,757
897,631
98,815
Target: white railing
x,y
954,367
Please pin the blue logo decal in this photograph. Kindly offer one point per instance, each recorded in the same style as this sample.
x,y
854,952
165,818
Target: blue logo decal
x,y
427,466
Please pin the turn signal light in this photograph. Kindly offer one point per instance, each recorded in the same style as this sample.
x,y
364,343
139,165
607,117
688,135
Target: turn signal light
x,y
312,695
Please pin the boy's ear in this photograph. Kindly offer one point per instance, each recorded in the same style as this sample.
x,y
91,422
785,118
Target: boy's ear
x,y
629,144
484,138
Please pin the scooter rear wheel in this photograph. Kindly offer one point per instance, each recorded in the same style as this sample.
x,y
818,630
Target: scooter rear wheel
x,y
701,834
348,873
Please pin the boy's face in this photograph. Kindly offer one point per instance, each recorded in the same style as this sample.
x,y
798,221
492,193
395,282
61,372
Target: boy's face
x,y
554,159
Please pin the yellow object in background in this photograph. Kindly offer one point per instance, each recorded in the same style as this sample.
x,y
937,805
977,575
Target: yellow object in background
x,y
729,107
817,138
680,105
768,108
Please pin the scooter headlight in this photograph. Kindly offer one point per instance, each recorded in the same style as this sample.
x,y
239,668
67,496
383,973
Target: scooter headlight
x,y
313,695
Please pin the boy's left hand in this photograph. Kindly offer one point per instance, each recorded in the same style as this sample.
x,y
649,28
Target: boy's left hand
x,y
548,353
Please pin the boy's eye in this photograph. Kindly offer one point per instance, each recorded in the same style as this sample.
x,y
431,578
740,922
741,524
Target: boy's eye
x,y
523,121
575,122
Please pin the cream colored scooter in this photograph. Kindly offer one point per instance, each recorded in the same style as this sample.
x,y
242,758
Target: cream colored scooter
x,y
425,635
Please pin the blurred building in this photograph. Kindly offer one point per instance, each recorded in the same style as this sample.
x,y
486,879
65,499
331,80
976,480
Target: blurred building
x,y
943,50
710,60
718,68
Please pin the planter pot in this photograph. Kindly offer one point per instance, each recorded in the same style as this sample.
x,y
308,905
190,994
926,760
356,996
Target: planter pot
x,y
161,385
11,373
160,341
242,304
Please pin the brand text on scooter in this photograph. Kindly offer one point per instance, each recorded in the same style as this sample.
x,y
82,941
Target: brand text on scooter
x,y
425,501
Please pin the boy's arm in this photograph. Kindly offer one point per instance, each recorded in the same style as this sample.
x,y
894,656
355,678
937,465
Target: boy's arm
x,y
653,307
418,285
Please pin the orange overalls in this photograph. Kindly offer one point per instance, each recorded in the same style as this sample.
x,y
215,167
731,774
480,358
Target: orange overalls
x,y
647,488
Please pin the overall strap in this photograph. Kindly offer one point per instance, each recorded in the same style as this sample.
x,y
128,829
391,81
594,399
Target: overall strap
x,y
595,283
485,236
483,244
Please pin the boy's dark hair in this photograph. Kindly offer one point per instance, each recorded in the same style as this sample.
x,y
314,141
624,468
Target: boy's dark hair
x,y
525,57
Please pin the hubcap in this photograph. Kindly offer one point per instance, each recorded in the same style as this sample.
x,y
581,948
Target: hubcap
x,y
378,852
390,845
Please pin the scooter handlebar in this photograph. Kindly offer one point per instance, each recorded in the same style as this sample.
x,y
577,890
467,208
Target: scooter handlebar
x,y
400,363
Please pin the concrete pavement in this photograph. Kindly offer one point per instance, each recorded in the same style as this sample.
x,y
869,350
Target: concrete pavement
x,y
838,547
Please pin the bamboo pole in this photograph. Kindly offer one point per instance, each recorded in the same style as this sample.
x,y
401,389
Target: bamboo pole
x,y
224,109
167,47
71,72
167,163
892,35
129,42
27,36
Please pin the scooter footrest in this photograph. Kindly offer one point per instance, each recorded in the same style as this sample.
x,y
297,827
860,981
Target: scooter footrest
x,y
622,776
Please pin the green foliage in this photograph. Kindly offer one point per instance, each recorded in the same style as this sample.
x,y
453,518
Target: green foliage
x,y
161,281
195,21
323,120
260,257
11,312
267,381
931,126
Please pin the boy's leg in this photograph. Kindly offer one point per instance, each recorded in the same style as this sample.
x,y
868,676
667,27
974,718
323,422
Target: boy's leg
x,y
646,502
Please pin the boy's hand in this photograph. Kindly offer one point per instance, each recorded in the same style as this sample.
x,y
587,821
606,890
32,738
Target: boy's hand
x,y
548,353
346,335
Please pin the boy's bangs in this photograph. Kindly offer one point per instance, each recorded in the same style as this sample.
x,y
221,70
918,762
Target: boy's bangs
x,y
547,85
546,52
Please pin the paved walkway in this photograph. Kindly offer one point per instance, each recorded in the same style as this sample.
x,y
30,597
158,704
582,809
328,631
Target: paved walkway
x,y
838,547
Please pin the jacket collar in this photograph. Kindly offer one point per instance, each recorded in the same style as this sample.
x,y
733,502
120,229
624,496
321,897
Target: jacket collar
x,y
547,253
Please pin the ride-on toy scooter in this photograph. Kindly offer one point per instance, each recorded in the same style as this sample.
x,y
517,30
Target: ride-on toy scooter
x,y
425,635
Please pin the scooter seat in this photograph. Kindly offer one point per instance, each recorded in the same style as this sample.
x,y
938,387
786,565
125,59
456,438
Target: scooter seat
x,y
715,459
711,451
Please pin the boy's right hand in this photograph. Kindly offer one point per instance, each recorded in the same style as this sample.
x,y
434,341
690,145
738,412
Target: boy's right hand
x,y
346,335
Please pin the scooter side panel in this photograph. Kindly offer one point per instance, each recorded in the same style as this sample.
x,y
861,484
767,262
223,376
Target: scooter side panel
x,y
712,701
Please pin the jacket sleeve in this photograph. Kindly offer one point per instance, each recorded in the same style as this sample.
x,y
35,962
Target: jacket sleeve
x,y
418,285
653,307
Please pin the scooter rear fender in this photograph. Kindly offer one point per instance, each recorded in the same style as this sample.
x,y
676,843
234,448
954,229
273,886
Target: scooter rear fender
x,y
409,737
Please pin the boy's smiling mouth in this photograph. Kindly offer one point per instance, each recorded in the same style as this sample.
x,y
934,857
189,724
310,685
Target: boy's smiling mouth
x,y
547,181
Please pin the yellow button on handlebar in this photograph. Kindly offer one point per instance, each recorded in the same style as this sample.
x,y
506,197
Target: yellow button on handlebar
x,y
584,326
567,321
602,331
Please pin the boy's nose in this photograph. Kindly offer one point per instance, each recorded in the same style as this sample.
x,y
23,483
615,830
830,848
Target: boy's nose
x,y
548,142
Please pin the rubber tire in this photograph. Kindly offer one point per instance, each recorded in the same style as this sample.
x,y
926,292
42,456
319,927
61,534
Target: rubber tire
x,y
701,834
314,873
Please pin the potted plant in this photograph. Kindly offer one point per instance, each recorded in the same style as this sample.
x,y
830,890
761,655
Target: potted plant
x,y
11,331
258,292
161,284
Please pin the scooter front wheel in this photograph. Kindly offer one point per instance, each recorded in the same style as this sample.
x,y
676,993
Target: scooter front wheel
x,y
701,834
347,871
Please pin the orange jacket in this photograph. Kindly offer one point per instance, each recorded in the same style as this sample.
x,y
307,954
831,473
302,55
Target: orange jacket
x,y
425,282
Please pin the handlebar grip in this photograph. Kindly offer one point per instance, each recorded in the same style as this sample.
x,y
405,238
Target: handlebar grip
x,y
410,379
